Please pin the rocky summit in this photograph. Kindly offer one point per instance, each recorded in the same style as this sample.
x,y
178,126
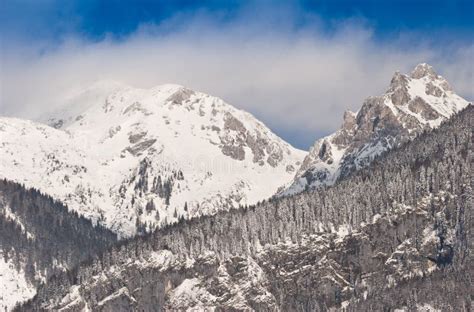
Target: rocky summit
x,y
412,104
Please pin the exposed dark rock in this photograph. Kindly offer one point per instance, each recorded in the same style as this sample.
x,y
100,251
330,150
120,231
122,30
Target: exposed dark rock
x,y
56,123
423,70
136,137
136,107
140,147
433,90
181,96
419,106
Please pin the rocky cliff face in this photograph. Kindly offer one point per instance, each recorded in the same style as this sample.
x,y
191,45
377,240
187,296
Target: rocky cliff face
x,y
413,103
395,235
136,159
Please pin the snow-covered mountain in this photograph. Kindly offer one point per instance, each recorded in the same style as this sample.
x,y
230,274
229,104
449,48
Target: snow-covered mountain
x,y
135,158
413,103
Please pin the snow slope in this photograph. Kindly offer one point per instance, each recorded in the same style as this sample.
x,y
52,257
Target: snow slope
x,y
135,158
14,288
413,103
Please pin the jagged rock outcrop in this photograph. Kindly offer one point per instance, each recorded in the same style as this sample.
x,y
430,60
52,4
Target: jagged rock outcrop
x,y
395,235
412,104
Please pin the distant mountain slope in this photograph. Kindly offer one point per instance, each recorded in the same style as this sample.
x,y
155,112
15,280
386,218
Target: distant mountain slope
x,y
395,235
135,159
39,237
413,103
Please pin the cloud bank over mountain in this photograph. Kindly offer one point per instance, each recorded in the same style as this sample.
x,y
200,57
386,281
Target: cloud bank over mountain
x,y
295,71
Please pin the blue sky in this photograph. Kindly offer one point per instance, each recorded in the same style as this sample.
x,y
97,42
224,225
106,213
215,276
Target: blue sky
x,y
94,19
297,65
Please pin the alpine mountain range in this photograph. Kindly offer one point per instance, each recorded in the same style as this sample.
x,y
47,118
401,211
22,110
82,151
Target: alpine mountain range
x,y
169,199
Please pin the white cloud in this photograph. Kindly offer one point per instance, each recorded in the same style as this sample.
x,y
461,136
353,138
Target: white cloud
x,y
297,80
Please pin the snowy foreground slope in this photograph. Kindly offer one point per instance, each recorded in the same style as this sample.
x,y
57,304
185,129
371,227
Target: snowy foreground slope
x,y
135,159
413,103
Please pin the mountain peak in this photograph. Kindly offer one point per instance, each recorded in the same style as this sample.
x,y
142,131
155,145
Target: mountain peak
x,y
415,102
399,80
136,156
170,87
423,70
106,83
349,119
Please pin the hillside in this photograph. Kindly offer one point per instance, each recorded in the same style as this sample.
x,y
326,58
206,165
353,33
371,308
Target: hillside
x,y
395,235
